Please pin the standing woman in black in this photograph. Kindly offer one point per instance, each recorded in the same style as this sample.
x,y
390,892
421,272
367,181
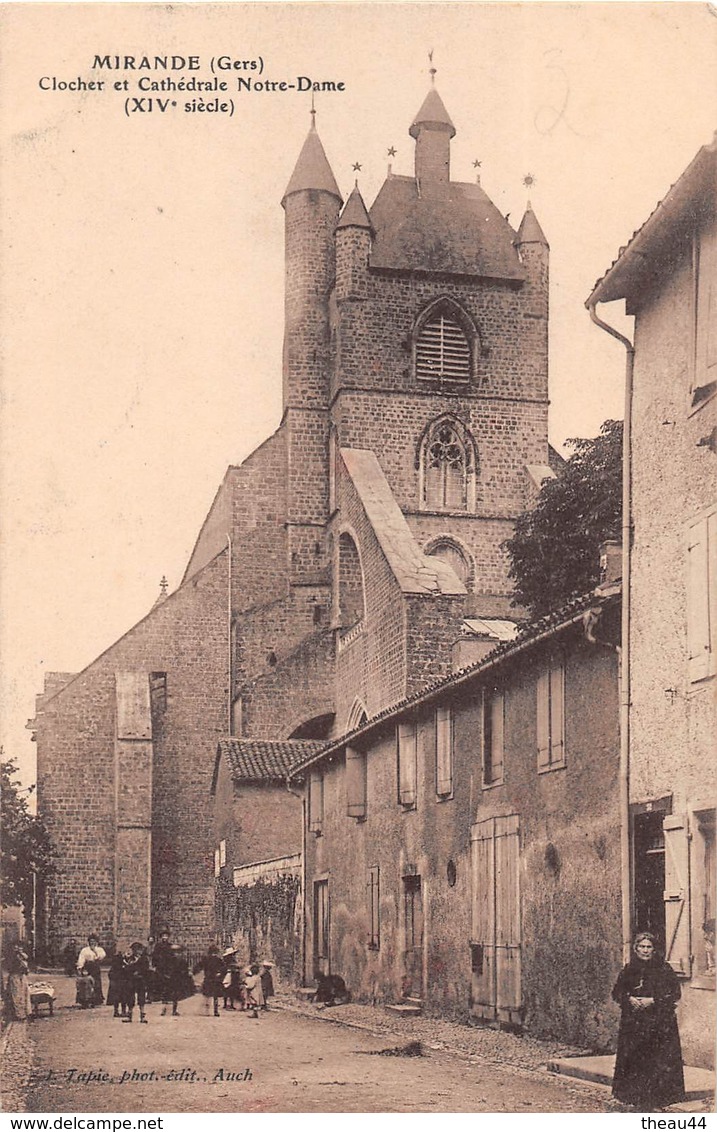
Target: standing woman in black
x,y
648,1065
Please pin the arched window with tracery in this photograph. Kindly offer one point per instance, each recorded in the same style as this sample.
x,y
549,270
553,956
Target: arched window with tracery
x,y
444,343
447,465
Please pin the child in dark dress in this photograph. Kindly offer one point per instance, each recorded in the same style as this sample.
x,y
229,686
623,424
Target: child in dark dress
x,y
136,976
116,990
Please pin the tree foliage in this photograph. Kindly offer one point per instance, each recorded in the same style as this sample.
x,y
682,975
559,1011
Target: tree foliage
x,y
554,549
26,847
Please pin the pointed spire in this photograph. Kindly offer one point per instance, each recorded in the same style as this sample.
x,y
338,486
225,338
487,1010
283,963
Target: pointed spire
x,y
432,113
312,170
530,231
354,214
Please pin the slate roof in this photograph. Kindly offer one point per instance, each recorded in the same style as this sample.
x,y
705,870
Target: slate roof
x,y
312,169
433,113
691,195
266,760
569,614
354,214
460,232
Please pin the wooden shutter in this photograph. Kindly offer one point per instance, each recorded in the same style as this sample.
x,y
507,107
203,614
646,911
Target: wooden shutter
x,y
316,801
698,600
543,721
407,763
677,894
557,713
497,732
355,783
507,919
444,750
706,309
483,988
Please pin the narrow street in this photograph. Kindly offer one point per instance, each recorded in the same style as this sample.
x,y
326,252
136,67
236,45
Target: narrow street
x,y
86,1061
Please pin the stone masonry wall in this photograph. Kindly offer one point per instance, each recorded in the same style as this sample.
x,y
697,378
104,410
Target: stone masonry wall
x,y
186,637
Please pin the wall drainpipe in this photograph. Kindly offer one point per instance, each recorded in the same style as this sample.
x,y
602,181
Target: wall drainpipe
x,y
302,957
624,650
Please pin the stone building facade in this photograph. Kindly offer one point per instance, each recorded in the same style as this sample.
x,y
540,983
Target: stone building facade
x,y
462,849
667,275
340,560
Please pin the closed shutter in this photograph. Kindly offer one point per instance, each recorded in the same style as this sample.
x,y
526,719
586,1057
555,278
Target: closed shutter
x,y
497,728
355,783
444,751
543,720
677,894
557,713
407,763
698,600
483,971
316,801
507,917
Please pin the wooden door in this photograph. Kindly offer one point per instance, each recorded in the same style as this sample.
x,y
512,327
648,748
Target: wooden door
x,y
496,942
413,921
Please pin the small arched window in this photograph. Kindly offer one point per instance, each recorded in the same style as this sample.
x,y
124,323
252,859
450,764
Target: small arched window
x,y
450,552
446,342
447,461
443,352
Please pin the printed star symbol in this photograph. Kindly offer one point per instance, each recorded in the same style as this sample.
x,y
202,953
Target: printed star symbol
x,y
477,164
356,167
392,152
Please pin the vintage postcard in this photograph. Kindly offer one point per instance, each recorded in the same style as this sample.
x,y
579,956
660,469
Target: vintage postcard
x,y
358,557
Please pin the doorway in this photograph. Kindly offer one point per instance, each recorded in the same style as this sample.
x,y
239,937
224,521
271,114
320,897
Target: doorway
x,y
413,921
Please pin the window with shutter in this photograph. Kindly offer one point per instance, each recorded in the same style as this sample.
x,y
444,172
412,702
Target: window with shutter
x,y
443,352
316,802
355,783
407,769
702,597
704,317
677,894
444,752
551,715
493,737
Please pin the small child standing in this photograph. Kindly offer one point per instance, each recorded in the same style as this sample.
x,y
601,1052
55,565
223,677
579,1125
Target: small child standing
x,y
214,971
254,995
267,982
136,980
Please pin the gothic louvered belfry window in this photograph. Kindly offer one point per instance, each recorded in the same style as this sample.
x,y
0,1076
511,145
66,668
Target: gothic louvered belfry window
x,y
445,470
443,352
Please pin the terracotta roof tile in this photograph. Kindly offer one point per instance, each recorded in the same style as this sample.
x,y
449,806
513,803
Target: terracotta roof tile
x,y
257,760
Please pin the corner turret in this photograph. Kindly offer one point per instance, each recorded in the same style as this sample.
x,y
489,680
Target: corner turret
x,y
353,247
311,203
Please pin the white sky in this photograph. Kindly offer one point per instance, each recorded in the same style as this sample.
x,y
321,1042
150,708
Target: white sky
x,y
142,270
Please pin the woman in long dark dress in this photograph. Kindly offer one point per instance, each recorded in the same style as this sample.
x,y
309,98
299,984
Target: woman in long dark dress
x,y
648,1065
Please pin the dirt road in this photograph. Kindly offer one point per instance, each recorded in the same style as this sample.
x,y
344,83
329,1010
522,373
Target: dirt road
x,y
86,1061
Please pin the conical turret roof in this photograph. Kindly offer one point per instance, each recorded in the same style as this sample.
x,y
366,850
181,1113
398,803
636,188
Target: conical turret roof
x,y
530,231
354,214
433,113
312,170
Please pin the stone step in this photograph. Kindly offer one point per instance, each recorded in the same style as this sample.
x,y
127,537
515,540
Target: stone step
x,y
699,1083
405,1009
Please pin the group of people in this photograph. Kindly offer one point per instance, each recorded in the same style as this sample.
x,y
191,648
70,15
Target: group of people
x,y
250,987
157,972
